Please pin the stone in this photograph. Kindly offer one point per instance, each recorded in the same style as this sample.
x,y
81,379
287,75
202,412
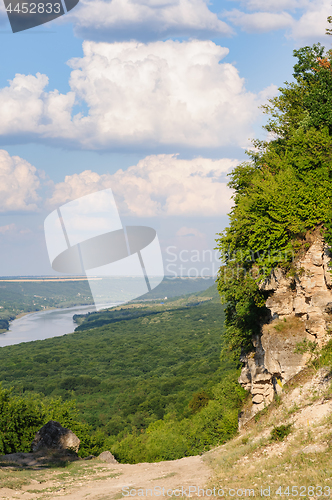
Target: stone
x,y
258,398
316,254
321,299
106,456
280,303
315,448
52,436
300,305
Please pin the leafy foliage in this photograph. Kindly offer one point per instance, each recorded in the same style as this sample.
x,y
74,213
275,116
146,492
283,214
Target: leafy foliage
x,y
21,417
133,379
283,192
170,439
280,432
199,400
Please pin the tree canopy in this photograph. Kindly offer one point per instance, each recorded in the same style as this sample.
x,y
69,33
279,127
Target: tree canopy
x,y
280,194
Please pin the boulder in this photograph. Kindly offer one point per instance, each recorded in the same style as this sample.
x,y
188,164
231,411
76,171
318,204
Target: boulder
x,y
106,456
52,436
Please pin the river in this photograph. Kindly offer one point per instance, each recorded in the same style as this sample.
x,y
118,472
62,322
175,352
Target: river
x,y
43,325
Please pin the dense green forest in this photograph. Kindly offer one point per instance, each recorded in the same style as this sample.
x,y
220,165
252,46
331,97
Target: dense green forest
x,y
148,384
281,194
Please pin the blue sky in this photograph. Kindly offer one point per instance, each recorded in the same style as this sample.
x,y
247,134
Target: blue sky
x,y
156,99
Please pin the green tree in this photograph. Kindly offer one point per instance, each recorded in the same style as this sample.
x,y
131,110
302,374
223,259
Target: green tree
x,y
280,194
22,417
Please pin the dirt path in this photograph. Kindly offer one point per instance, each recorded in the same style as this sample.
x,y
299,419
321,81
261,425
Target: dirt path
x,y
94,480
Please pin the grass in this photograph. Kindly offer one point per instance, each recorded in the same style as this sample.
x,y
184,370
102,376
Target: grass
x,y
16,478
253,460
261,470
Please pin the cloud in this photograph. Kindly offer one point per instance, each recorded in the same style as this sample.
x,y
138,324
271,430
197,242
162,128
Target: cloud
x,y
272,5
145,20
312,24
27,109
159,185
190,232
9,228
19,183
139,96
304,21
260,22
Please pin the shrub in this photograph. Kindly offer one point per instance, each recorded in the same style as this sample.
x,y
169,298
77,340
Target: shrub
x,y
279,433
22,417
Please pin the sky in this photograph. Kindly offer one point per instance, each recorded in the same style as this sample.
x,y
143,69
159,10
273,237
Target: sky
x,y
156,99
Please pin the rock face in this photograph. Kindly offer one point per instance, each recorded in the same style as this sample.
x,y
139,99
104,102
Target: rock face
x,y
300,308
53,436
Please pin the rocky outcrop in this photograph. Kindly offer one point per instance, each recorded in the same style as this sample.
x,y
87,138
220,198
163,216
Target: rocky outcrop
x,y
52,436
300,308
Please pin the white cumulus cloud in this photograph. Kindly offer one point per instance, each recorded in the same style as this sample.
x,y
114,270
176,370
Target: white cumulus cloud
x,y
304,21
272,5
260,22
311,25
159,185
138,96
19,183
145,20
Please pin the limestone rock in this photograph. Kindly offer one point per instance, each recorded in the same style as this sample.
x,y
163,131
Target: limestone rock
x,y
327,269
300,308
258,398
53,436
106,456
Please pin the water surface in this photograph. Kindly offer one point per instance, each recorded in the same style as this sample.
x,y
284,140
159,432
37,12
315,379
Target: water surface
x,y
43,325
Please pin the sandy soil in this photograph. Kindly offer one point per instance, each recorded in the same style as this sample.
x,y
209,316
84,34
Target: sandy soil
x,y
102,481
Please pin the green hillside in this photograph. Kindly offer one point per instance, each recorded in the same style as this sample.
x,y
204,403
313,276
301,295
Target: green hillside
x,y
135,370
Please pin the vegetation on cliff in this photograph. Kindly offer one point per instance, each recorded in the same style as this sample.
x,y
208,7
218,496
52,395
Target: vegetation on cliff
x,y
280,194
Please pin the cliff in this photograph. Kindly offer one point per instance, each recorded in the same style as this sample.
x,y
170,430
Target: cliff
x,y
300,308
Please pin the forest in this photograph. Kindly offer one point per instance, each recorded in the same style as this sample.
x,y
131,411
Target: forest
x,y
149,376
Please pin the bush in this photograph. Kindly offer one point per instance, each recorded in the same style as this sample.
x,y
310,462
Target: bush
x,y
22,417
170,439
279,433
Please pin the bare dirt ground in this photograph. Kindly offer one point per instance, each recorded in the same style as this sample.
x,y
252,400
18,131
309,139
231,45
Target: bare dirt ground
x,y
100,481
